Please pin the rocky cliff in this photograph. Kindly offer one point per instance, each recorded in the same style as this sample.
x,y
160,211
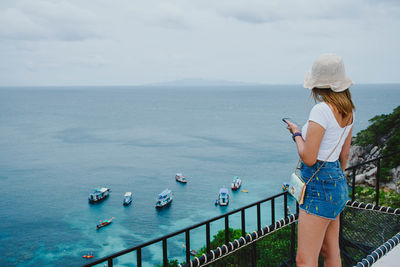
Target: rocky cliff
x,y
382,137
367,174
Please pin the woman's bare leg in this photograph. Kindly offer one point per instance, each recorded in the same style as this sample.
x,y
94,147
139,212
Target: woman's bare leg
x,y
311,233
330,246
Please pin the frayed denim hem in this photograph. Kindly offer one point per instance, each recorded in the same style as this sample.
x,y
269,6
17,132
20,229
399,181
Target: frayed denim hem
x,y
321,216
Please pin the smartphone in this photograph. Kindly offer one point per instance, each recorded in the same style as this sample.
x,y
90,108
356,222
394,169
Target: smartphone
x,y
287,120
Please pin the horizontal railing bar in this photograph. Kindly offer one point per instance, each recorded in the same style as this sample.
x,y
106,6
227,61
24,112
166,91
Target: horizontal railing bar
x,y
371,160
151,242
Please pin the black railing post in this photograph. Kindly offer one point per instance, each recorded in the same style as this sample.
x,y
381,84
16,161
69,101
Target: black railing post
x,y
226,229
243,222
208,246
165,255
110,262
378,176
272,210
293,243
297,208
187,235
258,217
353,185
139,257
285,212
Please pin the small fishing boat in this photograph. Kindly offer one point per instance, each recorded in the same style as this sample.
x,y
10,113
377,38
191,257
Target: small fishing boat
x,y
223,197
164,198
127,198
236,183
192,251
99,194
245,191
88,256
104,223
285,186
180,178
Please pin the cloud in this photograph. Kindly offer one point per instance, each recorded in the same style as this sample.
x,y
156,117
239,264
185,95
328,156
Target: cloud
x,y
260,11
257,12
170,15
135,42
45,20
15,25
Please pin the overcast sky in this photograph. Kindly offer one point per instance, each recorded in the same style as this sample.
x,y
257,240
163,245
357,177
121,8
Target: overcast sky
x,y
129,42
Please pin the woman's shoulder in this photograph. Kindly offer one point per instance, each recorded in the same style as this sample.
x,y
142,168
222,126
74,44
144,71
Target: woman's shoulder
x,y
321,114
321,108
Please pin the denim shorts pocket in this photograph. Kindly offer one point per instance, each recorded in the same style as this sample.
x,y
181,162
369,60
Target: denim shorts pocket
x,y
334,190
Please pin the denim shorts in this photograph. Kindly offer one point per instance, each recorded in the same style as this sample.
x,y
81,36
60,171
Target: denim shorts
x,y
327,193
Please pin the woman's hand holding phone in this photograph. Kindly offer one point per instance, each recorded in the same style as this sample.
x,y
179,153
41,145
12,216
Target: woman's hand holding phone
x,y
292,127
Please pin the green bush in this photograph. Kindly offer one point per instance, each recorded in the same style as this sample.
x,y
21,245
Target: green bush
x,y
270,251
388,198
387,126
219,239
381,125
393,145
171,263
275,247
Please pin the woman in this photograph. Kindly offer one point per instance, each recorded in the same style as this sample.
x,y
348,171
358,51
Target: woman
x,y
323,146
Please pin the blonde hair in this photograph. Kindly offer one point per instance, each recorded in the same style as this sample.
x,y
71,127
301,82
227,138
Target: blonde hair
x,y
340,100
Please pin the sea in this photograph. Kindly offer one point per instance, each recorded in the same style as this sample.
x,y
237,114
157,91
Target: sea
x,y
59,143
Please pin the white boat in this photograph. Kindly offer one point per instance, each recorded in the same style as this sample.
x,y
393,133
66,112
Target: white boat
x,y
180,178
223,197
99,194
127,198
236,183
164,198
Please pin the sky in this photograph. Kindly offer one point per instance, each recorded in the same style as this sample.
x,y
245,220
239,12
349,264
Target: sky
x,y
131,42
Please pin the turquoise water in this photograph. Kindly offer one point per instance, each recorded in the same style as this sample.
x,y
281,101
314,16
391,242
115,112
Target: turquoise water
x,y
57,144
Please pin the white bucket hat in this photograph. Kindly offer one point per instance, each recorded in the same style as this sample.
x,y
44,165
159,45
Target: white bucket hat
x,y
328,72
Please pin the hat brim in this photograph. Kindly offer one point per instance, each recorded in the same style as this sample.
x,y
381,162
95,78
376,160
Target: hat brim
x,y
336,86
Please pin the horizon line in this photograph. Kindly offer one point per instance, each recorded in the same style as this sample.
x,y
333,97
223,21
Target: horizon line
x,y
170,84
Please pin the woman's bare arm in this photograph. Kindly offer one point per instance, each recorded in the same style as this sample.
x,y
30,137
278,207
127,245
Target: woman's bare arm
x,y
308,150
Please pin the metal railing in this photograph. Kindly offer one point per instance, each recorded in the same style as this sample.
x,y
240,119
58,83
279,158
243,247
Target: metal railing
x,y
164,239
378,175
353,170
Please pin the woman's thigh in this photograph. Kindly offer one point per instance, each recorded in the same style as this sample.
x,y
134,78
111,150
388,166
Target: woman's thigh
x,y
311,233
330,246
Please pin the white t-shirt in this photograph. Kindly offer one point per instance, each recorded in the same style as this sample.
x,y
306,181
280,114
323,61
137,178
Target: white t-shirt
x,y
322,114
